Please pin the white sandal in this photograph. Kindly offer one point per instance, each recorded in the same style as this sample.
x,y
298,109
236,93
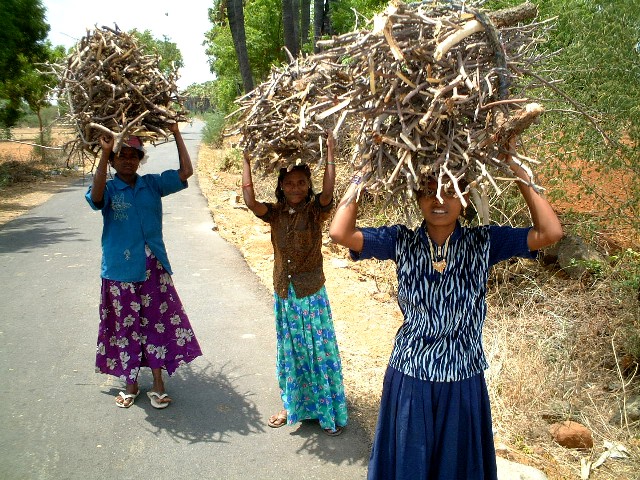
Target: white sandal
x,y
126,396
156,399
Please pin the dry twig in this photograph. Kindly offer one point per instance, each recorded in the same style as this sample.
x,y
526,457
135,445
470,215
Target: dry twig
x,y
423,93
112,87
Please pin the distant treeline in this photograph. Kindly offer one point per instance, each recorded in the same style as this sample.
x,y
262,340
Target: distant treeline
x,y
198,104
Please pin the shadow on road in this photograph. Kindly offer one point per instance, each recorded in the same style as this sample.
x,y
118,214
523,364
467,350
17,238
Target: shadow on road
x,y
29,233
336,450
206,406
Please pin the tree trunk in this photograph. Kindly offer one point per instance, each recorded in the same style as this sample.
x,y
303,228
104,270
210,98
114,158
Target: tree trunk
x,y
235,14
305,20
289,25
318,21
41,127
327,26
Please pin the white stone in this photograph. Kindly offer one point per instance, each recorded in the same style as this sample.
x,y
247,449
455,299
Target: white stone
x,y
508,470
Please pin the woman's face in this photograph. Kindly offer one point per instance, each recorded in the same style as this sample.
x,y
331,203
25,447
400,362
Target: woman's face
x,y
439,213
295,187
127,161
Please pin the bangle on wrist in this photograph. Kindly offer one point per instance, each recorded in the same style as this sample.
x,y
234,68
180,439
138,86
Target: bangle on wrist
x,y
331,163
247,185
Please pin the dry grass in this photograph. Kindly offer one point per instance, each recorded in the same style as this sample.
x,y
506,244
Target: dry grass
x,y
550,342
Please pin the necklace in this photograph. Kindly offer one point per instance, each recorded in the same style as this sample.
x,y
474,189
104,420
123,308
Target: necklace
x,y
440,252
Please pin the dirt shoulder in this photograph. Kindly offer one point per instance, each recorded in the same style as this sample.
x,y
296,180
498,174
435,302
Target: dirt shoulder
x,y
25,180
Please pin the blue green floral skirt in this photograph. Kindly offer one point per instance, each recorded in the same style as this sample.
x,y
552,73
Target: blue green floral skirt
x,y
308,361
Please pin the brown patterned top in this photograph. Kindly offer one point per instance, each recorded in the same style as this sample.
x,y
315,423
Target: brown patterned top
x,y
296,236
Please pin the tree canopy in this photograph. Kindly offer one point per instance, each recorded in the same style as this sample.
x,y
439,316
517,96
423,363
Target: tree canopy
x,y
23,31
168,51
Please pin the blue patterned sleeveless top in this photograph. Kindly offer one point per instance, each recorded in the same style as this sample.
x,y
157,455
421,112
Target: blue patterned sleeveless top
x,y
441,336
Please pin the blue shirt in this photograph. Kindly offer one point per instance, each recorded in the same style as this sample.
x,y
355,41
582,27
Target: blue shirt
x,y
132,217
441,337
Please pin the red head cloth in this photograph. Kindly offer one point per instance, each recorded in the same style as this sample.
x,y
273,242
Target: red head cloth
x,y
134,142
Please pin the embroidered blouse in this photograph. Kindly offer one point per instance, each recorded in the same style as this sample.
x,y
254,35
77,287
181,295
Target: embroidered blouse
x,y
441,336
297,246
132,217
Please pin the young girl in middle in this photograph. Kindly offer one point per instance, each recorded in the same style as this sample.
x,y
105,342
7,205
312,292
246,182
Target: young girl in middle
x,y
308,361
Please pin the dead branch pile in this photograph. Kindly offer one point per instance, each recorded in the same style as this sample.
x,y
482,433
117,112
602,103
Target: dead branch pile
x,y
428,91
112,87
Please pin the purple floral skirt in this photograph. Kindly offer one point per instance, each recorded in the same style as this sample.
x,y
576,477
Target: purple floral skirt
x,y
143,324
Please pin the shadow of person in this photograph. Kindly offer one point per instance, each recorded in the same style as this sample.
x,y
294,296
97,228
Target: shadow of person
x,y
340,450
25,234
205,407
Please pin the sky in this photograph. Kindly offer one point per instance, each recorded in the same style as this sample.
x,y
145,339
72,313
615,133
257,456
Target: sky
x,y
70,19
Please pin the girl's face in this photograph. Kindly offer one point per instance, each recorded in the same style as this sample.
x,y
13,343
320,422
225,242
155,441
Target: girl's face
x,y
439,213
295,187
126,163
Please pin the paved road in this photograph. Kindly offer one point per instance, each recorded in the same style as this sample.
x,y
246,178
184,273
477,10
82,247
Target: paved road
x,y
58,418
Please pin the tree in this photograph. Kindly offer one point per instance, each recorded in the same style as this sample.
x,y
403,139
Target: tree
x,y
169,53
263,31
235,14
290,26
305,21
23,31
37,83
319,14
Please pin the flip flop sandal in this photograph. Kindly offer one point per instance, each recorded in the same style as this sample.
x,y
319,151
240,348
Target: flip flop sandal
x,y
333,433
126,396
156,400
277,421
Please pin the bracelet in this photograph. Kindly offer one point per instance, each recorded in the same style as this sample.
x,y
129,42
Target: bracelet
x,y
247,185
331,163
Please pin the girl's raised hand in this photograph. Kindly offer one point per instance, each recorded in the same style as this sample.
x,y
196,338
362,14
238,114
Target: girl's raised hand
x,y
331,140
173,127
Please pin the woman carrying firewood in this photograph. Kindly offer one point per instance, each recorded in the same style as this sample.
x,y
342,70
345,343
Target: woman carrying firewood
x,y
435,418
308,361
142,321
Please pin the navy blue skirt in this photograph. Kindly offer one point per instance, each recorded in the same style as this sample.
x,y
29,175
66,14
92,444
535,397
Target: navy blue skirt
x,y
433,430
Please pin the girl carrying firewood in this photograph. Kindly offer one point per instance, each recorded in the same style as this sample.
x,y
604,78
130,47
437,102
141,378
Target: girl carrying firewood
x,y
435,418
308,361
142,321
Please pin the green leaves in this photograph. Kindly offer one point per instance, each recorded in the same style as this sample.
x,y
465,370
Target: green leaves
x,y
167,50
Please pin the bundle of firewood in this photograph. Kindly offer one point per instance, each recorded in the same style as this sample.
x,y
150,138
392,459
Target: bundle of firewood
x,y
112,87
287,117
427,92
